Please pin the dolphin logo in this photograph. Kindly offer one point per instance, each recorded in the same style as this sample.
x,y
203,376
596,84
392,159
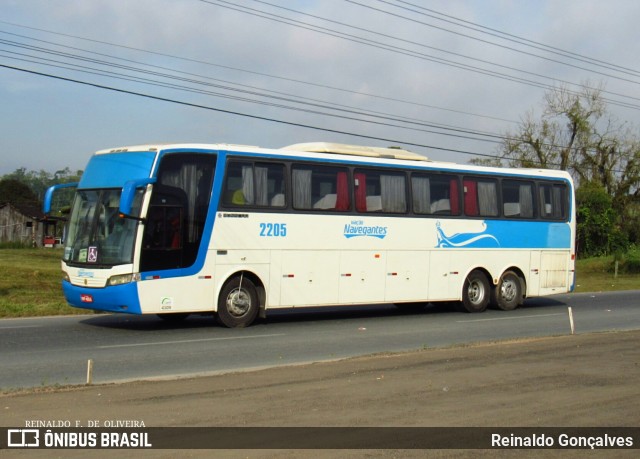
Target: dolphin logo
x,y
475,240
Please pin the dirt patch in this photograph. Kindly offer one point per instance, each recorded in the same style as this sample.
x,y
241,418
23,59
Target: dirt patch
x,y
583,380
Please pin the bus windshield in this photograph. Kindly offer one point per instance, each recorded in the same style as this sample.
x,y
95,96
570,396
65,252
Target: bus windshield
x,y
97,234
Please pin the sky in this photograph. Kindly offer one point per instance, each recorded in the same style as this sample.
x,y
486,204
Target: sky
x,y
445,79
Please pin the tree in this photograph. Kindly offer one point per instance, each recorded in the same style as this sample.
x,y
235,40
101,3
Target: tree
x,y
598,232
562,136
39,181
16,192
576,133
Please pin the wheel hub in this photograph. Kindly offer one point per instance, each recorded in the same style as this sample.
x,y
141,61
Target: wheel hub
x,y
508,290
476,292
238,303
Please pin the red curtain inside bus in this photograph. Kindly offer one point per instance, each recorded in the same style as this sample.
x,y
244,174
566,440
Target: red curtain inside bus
x,y
361,191
470,197
342,192
454,197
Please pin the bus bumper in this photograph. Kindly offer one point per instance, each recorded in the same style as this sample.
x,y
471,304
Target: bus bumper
x,y
118,298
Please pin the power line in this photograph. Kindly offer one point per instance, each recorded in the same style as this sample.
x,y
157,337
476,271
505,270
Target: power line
x,y
137,79
440,49
292,80
186,88
254,91
404,51
230,112
509,37
262,118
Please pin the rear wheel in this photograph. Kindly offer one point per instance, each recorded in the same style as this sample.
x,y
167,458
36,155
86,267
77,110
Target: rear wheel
x,y
508,293
475,292
238,303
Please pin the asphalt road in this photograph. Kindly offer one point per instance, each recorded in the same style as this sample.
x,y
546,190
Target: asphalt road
x,y
55,350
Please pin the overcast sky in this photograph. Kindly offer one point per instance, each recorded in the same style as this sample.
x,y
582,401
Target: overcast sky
x,y
447,78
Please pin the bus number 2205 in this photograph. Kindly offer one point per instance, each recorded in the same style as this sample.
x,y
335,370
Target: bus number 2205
x,y
273,229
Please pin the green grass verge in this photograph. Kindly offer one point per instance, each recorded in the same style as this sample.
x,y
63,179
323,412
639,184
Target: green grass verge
x,y
30,281
598,275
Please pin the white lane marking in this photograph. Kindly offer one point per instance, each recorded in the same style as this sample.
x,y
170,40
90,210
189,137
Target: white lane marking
x,y
20,326
512,318
159,343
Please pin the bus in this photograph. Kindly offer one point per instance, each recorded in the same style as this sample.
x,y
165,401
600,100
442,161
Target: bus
x,y
238,231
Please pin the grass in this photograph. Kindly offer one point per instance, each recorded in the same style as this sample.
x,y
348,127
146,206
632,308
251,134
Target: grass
x,y
30,281
598,275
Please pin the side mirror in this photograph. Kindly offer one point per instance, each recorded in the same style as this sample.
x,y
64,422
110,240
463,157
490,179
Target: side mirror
x,y
129,193
48,197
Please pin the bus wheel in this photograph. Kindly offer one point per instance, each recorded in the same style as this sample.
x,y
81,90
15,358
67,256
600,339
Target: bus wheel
x,y
238,303
508,293
475,292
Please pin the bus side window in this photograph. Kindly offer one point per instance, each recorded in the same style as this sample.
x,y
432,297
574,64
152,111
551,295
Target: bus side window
x,y
239,180
380,191
320,188
553,199
517,199
480,197
249,184
435,194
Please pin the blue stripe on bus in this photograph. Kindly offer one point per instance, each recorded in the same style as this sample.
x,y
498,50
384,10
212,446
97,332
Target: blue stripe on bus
x,y
118,298
508,235
113,169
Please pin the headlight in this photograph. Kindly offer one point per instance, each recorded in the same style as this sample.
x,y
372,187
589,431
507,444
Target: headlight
x,y
123,279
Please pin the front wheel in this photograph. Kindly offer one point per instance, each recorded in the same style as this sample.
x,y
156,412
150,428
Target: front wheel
x,y
238,303
475,292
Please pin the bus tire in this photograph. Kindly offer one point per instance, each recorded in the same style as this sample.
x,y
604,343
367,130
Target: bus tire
x,y
508,293
475,292
238,303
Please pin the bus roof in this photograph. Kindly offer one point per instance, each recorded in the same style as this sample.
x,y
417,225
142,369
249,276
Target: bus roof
x,y
356,150
318,149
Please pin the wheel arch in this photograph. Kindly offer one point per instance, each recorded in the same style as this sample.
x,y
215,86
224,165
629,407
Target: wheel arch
x,y
483,270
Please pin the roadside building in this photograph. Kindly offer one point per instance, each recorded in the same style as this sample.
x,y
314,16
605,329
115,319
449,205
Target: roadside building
x,y
26,224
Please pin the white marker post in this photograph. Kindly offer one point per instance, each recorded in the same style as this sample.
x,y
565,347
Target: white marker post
x,y
90,371
573,329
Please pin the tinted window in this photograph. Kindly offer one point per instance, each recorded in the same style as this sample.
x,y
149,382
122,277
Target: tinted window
x,y
435,194
259,184
480,197
320,188
380,191
517,199
553,201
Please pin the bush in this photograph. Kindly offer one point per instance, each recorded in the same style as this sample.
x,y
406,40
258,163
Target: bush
x,y
629,262
598,225
632,261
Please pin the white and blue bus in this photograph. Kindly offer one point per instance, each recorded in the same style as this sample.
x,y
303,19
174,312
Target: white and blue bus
x,y
238,231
